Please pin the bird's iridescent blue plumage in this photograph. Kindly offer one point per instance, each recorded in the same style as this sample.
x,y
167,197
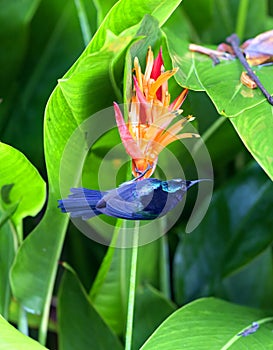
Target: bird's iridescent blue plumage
x,y
133,200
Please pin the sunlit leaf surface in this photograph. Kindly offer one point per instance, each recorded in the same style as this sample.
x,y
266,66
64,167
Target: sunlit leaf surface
x,y
248,110
213,323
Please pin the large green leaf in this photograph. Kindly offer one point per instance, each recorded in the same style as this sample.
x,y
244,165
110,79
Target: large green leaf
x,y
85,89
235,230
254,127
23,193
221,82
259,272
66,108
11,338
80,326
212,324
250,113
125,14
29,190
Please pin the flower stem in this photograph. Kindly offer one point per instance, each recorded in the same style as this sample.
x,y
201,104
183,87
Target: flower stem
x,y
85,28
164,263
241,18
132,290
22,321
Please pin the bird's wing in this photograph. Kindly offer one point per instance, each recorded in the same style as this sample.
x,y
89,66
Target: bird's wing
x,y
127,200
134,190
145,195
118,207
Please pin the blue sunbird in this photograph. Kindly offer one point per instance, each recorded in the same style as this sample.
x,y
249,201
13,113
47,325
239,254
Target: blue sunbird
x,y
133,200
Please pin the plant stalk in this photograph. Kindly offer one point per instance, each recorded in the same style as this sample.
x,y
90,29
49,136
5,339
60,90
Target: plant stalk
x,y
22,321
241,18
235,42
132,290
85,28
164,263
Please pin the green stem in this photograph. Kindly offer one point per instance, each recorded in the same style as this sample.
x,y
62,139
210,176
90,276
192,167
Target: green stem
x,y
44,321
86,31
43,327
22,315
241,18
22,321
164,264
132,290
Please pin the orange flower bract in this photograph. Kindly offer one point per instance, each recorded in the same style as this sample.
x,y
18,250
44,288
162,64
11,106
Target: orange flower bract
x,y
150,128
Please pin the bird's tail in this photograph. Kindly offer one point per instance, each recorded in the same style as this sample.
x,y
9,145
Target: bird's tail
x,y
81,203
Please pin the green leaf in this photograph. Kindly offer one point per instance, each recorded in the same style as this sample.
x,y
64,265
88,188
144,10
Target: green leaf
x,y
66,108
221,82
29,190
126,13
80,326
23,193
230,97
238,224
11,338
84,90
213,323
253,127
151,309
258,272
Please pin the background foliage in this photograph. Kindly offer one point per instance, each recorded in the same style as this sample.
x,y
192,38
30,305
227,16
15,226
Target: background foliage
x,y
64,61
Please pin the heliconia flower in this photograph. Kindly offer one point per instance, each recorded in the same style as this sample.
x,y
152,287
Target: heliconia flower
x,y
150,125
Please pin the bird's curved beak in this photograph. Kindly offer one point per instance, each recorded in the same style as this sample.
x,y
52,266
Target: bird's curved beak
x,y
190,183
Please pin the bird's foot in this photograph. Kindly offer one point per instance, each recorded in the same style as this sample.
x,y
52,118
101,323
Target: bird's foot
x,y
142,173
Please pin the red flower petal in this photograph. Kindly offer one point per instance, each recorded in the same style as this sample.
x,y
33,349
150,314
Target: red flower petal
x,y
158,63
156,71
129,143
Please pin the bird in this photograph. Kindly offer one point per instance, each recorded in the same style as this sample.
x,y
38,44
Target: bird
x,y
147,199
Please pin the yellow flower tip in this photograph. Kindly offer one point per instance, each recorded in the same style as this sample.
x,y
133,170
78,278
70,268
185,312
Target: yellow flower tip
x,y
179,100
137,70
177,112
136,62
149,65
150,54
190,118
